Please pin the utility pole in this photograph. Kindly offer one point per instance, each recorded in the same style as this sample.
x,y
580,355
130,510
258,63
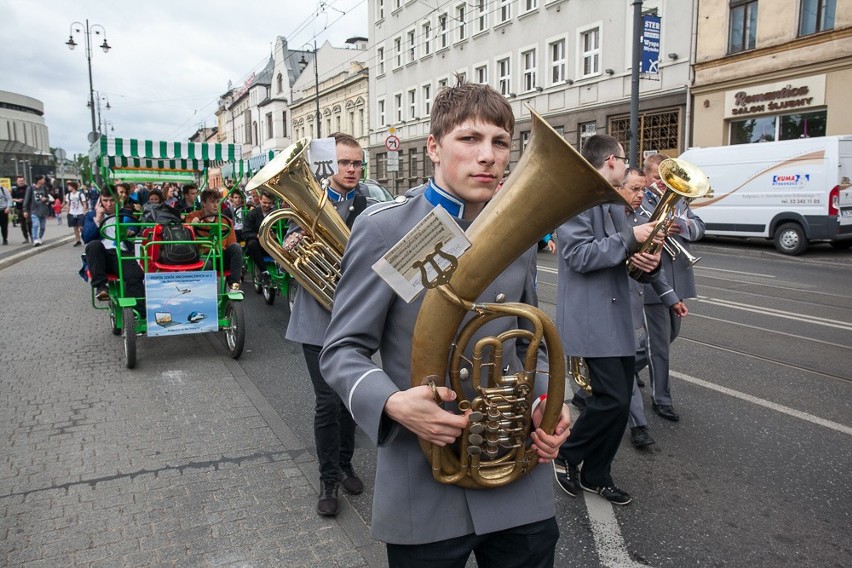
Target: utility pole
x,y
633,153
316,83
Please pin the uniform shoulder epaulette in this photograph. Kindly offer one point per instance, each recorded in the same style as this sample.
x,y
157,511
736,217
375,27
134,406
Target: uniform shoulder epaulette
x,y
399,200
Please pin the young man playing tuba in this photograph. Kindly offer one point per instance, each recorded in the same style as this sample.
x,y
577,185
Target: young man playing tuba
x,y
425,522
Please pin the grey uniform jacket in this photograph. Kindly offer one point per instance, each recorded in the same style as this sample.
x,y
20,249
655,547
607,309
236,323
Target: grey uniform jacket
x,y
677,272
409,506
593,312
308,319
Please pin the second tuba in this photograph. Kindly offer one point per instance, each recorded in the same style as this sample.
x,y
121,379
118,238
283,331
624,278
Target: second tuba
x,y
550,184
315,260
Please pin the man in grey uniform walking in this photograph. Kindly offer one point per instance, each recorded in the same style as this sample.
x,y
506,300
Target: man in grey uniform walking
x,y
426,523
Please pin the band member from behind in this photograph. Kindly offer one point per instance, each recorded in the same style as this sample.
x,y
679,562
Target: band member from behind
x,y
512,525
334,428
594,318
662,317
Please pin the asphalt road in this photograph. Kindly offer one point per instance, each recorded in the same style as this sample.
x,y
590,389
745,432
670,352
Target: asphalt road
x,y
755,474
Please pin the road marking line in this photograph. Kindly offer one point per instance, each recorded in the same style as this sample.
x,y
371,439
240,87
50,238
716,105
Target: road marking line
x,y
765,403
773,331
777,313
738,272
609,543
547,269
803,290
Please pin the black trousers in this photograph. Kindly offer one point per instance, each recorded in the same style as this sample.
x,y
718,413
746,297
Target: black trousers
x,y
103,261
4,224
527,546
597,434
26,224
334,428
256,253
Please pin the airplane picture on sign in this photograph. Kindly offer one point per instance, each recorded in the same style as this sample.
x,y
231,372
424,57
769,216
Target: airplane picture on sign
x,y
392,143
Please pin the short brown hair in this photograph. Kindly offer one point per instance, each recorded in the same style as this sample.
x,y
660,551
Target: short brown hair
x,y
469,101
345,139
74,184
210,195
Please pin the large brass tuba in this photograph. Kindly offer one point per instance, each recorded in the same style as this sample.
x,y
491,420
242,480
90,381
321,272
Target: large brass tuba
x,y
550,184
315,260
683,181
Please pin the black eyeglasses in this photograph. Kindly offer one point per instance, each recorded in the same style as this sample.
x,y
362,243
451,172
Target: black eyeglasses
x,y
626,161
357,164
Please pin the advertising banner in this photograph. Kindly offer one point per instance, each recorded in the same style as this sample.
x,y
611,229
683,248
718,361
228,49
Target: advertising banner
x,y
181,302
650,62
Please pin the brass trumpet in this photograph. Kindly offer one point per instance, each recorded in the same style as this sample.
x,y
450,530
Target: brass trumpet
x,y
682,180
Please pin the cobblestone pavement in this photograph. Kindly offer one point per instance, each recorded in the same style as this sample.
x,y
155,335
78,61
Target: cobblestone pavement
x,y
175,463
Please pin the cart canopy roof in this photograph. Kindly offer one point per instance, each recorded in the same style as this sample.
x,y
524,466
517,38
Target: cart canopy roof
x,y
127,153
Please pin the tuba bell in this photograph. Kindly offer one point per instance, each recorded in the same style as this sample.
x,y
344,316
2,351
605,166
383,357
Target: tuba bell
x,y
314,261
550,184
683,180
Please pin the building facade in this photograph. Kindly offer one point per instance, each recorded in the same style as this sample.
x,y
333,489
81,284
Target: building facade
x,y
781,70
24,140
340,76
569,60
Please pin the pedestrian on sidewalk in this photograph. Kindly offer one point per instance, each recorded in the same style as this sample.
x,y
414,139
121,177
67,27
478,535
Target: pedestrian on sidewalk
x,y
18,194
36,209
6,205
77,206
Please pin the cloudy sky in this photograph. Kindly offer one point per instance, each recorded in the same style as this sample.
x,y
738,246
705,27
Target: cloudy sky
x,y
169,62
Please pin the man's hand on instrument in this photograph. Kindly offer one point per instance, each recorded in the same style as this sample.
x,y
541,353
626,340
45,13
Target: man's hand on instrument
x,y
644,261
547,445
417,410
292,240
643,231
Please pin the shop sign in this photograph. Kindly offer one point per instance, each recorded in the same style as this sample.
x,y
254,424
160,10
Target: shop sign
x,y
776,98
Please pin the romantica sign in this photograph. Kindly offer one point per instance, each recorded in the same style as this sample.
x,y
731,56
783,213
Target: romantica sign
x,y
776,97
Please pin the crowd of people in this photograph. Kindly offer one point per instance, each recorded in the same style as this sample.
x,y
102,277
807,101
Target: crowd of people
x,y
635,321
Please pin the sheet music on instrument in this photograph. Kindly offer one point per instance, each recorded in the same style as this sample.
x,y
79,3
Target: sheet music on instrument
x,y
399,266
323,157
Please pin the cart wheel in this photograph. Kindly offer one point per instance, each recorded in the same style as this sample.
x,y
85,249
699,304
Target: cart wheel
x,y
235,333
291,293
129,323
116,330
269,294
256,281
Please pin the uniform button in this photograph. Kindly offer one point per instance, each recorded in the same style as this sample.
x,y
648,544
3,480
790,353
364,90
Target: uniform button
x,y
500,298
640,293
613,299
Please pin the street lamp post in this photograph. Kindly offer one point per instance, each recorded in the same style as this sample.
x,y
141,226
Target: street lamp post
x,y
304,63
97,29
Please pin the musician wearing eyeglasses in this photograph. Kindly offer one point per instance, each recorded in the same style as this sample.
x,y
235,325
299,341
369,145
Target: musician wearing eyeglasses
x,y
334,429
664,315
593,315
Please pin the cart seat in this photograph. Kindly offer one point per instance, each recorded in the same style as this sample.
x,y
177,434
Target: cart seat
x,y
154,264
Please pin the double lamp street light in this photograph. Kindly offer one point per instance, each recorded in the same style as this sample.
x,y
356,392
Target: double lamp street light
x,y
97,29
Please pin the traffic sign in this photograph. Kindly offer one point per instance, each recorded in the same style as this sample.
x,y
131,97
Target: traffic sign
x,y
392,143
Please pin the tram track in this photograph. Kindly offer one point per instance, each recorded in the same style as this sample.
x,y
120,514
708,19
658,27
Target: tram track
x,y
771,360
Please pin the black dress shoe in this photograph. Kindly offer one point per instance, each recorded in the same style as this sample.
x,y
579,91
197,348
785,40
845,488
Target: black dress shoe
x,y
639,382
328,505
666,412
640,437
351,483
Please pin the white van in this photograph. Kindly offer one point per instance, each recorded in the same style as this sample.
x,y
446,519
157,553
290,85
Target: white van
x,y
793,192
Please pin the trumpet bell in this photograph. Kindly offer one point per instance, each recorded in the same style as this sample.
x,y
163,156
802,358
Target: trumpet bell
x,y
684,178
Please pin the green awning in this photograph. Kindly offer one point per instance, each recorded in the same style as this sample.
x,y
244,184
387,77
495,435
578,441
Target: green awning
x,y
152,154
142,175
